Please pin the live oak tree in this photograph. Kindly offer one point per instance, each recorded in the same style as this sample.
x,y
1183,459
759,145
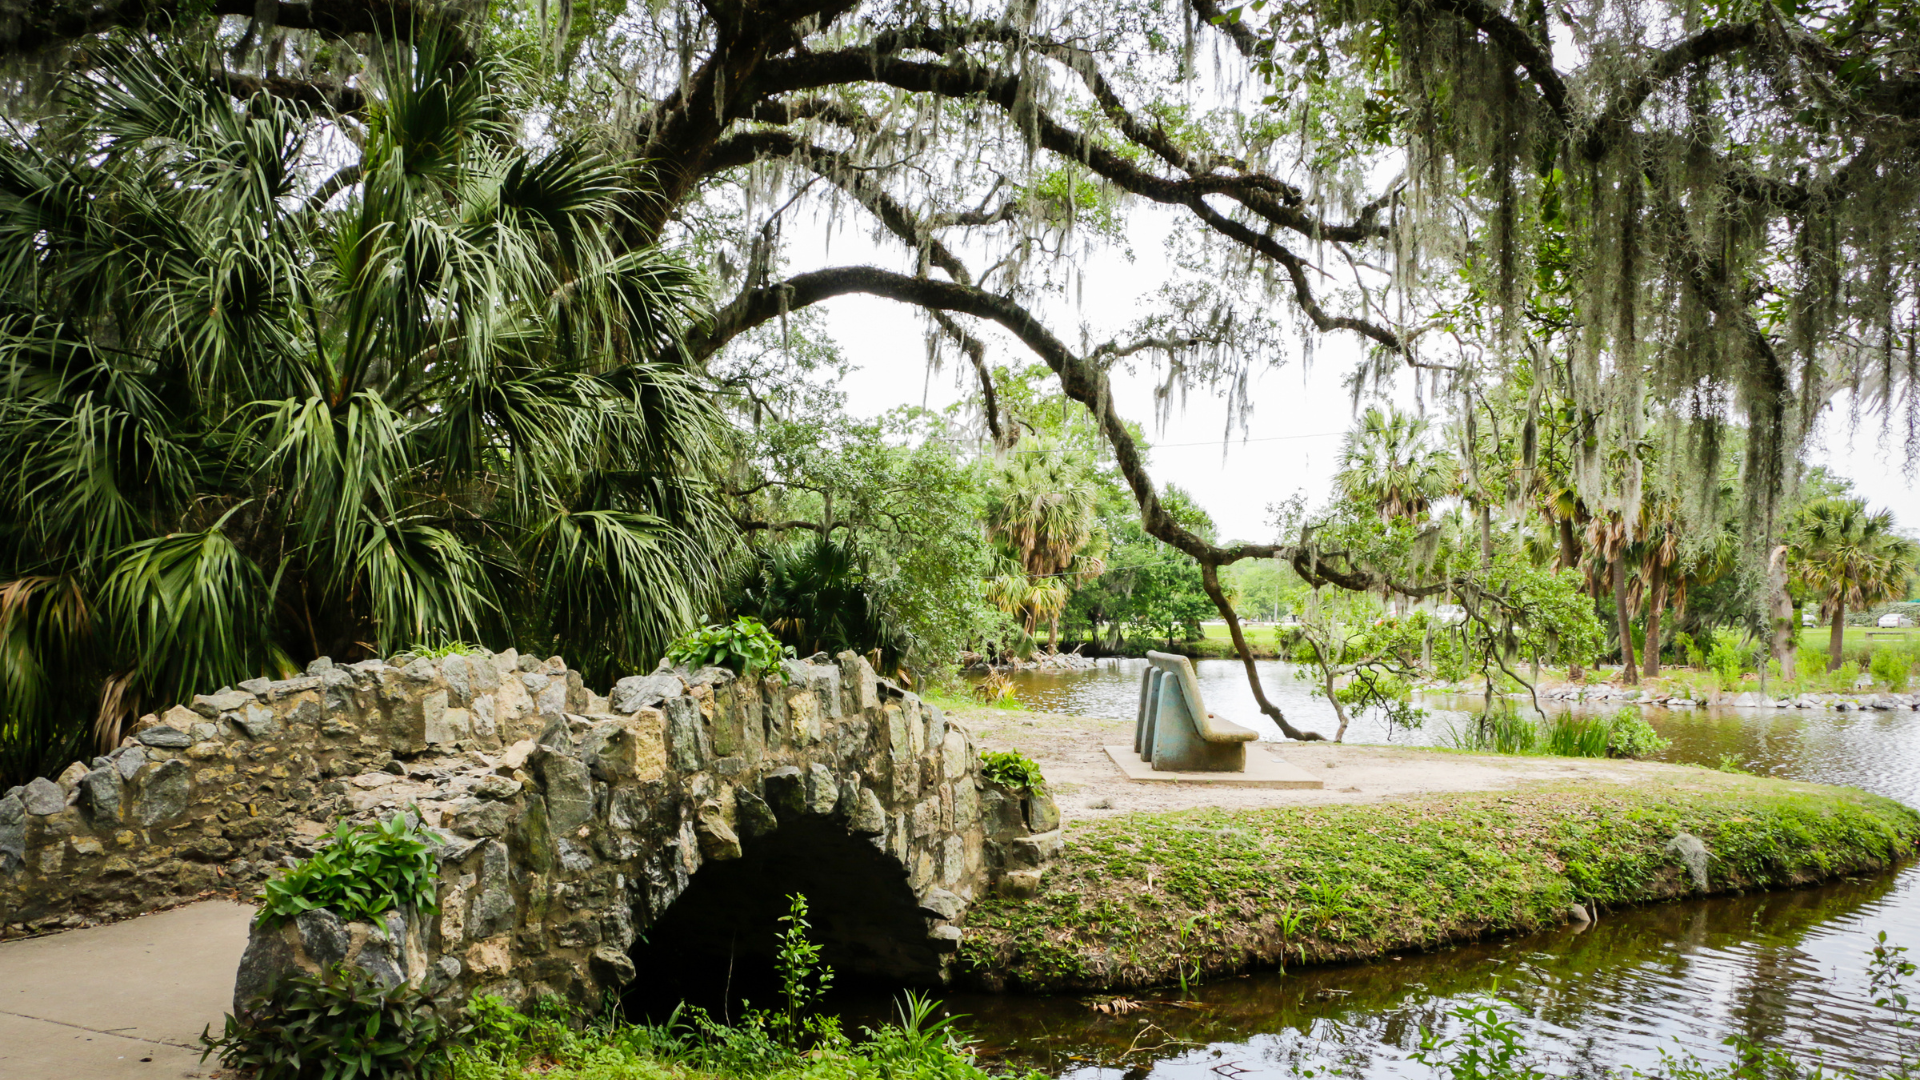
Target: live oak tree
x,y
1712,205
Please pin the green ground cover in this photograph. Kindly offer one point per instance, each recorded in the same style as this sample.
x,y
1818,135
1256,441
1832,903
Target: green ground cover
x,y
1154,899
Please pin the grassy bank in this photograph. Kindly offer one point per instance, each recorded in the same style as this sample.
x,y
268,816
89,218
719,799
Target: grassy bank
x,y
1147,899
551,1045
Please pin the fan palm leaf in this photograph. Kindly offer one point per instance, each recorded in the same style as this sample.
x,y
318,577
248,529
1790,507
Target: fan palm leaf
x,y
242,431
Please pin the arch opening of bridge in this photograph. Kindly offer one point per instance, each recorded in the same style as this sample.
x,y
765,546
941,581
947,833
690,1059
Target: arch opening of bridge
x,y
715,945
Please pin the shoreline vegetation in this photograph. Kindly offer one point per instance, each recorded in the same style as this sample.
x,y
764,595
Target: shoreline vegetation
x,y
1147,900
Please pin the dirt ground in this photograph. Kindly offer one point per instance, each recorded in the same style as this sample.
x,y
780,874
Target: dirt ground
x,y
1088,785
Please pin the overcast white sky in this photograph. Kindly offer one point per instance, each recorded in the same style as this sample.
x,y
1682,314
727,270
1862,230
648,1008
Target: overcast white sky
x,y
1298,417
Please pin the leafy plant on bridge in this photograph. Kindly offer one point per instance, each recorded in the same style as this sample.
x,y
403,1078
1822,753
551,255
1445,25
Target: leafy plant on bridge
x,y
1011,769
744,646
363,872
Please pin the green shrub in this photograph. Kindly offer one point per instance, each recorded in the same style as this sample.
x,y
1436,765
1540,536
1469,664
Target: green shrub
x,y
1011,769
1630,736
338,1025
1843,677
1890,668
1728,659
361,873
1685,648
745,646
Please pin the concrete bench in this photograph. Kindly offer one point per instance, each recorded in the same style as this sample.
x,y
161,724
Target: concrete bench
x,y
1175,732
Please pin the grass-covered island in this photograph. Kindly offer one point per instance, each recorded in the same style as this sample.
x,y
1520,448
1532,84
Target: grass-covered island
x,y
1154,899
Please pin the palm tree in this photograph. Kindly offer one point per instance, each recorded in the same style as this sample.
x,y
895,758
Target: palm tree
x,y
262,403
1659,550
1388,464
1044,512
1610,547
1850,558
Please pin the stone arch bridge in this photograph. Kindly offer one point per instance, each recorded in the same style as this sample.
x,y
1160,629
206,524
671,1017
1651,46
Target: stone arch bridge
x,y
571,825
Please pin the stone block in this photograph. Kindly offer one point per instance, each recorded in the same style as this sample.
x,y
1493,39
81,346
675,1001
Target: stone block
x,y
937,730
69,778
629,748
859,686
686,747
43,797
212,705
718,841
803,716
945,939
637,692
552,697
941,904
612,968
823,791
442,724
966,803
491,909
925,818
166,738
13,832
474,817
1042,814
955,759
513,711
1036,851
1018,884
899,744
786,789
568,788
752,814
1000,813
257,721
868,817
100,791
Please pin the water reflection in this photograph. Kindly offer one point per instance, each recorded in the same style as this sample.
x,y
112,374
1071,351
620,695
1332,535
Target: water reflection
x,y
1786,968
1781,967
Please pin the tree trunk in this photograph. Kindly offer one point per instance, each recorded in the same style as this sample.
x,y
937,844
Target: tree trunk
x,y
1839,630
1053,634
1627,667
1784,646
1569,546
1656,599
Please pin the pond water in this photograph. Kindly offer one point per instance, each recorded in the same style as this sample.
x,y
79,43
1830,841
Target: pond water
x,y
1786,968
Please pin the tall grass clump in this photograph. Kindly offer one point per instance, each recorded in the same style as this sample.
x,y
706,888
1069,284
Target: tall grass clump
x,y
1624,734
1499,731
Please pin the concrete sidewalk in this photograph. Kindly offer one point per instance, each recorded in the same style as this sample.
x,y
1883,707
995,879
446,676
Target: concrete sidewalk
x,y
124,1000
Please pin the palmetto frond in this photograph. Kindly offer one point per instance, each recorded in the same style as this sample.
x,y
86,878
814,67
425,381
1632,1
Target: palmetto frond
x,y
1851,558
247,429
1388,463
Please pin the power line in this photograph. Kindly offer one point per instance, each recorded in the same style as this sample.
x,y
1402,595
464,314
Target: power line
x,y
1152,446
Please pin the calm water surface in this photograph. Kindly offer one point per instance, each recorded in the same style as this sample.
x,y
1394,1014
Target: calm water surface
x,y
1787,968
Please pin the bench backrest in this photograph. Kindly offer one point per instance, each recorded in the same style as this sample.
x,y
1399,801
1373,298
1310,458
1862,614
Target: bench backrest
x,y
1173,729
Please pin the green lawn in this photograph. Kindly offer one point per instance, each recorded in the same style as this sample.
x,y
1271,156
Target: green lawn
x,y
1815,637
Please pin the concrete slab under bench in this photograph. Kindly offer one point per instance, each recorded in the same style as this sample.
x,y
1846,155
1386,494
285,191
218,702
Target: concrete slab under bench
x,y
1263,771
